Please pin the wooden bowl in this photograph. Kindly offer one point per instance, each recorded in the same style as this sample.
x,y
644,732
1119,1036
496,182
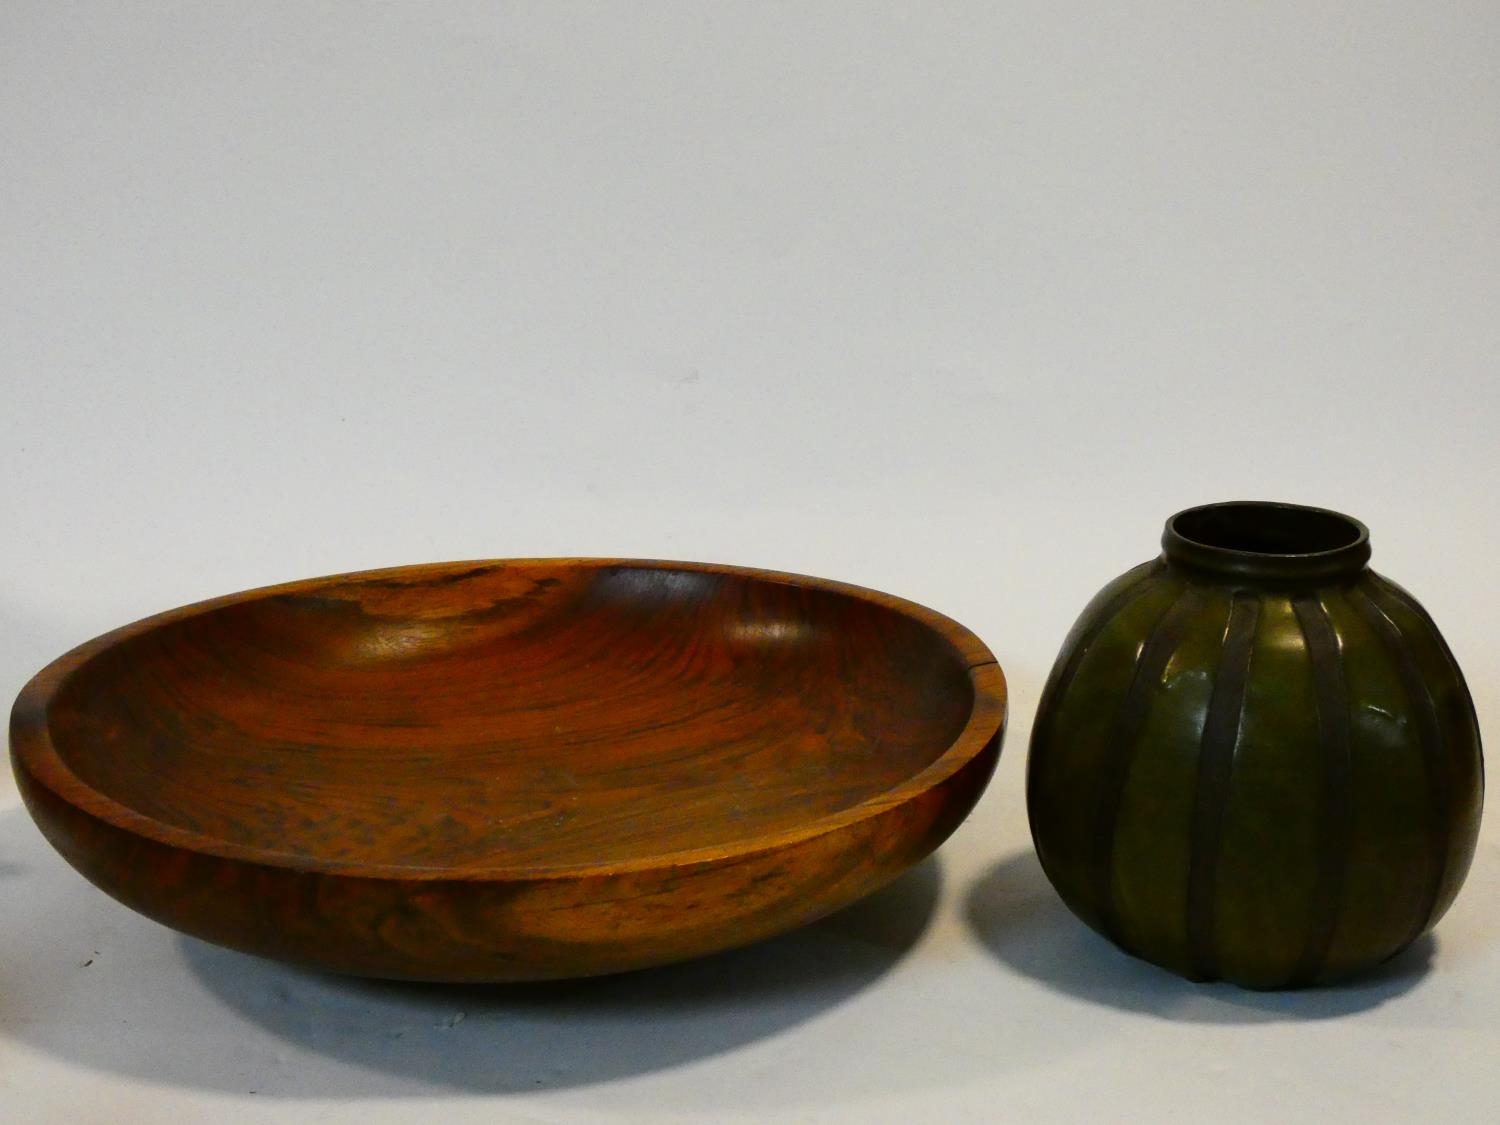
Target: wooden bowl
x,y
511,770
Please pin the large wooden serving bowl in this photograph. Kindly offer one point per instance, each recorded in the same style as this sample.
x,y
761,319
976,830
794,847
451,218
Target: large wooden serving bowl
x,y
510,770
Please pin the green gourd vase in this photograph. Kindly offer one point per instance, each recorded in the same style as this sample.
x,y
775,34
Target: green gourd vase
x,y
1256,759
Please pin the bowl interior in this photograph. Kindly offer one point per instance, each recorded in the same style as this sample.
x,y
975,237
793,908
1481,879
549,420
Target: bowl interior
x,y
536,714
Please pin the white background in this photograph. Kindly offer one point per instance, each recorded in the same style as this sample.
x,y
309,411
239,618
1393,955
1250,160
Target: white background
x,y
958,301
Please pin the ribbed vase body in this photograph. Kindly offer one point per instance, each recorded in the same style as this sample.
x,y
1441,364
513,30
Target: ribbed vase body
x,y
1266,779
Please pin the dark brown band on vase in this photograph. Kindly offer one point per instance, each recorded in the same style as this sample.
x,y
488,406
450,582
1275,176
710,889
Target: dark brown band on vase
x,y
1337,807
1221,735
1124,738
1430,736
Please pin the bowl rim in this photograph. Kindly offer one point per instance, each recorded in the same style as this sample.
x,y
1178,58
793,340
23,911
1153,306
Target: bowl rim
x,y
33,751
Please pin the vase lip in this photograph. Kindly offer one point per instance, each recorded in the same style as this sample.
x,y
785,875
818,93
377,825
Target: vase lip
x,y
1267,540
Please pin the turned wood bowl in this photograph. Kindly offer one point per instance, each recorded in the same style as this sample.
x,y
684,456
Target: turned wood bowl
x,y
512,770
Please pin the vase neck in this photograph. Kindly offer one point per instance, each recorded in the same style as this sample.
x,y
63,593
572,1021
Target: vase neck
x,y
1257,541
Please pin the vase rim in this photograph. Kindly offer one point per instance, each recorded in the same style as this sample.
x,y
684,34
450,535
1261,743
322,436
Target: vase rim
x,y
1267,540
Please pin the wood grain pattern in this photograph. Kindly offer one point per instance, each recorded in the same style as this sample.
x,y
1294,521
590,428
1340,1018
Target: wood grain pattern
x,y
510,770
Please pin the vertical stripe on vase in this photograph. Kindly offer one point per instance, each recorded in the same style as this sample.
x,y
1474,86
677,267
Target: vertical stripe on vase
x,y
1221,736
1122,740
1386,593
1337,810
1429,732
1101,621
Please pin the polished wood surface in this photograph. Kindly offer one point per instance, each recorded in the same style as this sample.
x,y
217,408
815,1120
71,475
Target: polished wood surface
x,y
510,770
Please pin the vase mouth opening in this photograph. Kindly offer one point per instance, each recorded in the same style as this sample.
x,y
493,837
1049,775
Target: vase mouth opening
x,y
1261,539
